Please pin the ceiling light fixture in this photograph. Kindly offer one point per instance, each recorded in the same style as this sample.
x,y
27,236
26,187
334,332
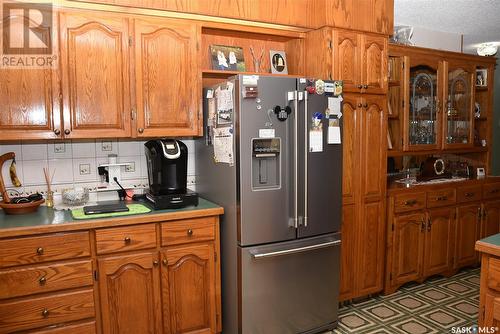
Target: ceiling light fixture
x,y
487,49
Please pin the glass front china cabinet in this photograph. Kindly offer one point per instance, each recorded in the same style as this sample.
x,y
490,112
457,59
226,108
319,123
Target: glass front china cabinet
x,y
458,129
423,125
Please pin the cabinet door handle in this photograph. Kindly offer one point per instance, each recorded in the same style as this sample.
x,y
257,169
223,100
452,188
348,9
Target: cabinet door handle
x,y
365,105
165,262
479,213
494,191
140,130
469,195
429,225
45,313
42,280
39,250
365,86
359,86
442,198
67,132
190,232
127,240
422,226
410,202
360,105
156,263
57,132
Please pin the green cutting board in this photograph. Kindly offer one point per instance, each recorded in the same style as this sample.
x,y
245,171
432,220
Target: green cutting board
x,y
134,209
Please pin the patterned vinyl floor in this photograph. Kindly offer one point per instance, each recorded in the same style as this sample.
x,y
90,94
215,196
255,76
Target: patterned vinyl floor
x,y
435,306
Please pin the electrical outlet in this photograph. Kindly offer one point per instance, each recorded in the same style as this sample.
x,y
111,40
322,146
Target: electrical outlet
x,y
59,148
130,168
107,146
84,169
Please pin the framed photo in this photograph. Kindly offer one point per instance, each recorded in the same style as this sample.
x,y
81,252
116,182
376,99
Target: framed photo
x,y
278,62
481,78
227,58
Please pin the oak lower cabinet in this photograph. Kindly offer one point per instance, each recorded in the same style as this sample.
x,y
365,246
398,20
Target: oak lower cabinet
x,y
468,231
491,218
439,241
188,286
130,294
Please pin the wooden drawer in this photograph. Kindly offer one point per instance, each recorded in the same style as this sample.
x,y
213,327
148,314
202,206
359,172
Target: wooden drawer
x,y
80,328
27,281
442,197
45,311
409,202
62,246
494,274
112,240
469,194
491,190
188,230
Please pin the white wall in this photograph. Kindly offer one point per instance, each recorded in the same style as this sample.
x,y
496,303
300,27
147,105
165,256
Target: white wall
x,y
434,39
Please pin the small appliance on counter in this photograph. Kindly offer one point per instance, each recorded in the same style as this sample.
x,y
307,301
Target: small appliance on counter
x,y
167,174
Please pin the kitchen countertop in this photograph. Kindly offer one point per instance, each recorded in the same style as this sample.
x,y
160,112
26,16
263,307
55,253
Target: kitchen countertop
x,y
48,220
490,245
396,187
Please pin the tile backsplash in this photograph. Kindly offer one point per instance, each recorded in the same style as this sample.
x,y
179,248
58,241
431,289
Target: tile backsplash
x,y
75,162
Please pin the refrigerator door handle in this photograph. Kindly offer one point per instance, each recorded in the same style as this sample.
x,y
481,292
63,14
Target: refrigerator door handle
x,y
306,152
296,250
295,165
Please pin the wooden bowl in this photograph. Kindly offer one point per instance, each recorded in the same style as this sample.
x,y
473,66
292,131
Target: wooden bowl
x,y
20,208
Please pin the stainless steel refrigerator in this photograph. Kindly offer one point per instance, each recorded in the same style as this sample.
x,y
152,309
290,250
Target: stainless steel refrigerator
x,y
271,156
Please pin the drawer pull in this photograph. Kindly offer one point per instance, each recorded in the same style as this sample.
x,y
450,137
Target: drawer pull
x,y
410,202
127,240
469,194
42,280
494,191
442,198
45,313
39,250
190,232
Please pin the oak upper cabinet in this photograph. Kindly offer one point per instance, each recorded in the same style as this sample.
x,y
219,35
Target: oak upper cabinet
x,y
360,60
491,219
408,247
29,98
167,77
95,75
188,288
439,241
459,105
130,294
468,232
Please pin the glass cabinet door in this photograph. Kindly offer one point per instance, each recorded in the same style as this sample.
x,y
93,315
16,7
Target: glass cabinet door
x,y
458,108
423,124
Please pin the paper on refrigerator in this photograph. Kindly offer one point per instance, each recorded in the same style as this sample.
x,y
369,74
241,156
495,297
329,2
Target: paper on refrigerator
x,y
223,145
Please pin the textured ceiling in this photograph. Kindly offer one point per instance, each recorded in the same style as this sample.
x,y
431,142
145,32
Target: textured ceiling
x,y
477,20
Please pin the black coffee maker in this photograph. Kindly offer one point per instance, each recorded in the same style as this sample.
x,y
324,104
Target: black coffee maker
x,y
167,174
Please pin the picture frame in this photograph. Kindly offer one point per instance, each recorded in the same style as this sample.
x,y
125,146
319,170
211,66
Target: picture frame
x,y
227,58
482,77
278,62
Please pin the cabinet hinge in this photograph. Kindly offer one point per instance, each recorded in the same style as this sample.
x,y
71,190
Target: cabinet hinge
x,y
132,114
330,44
130,41
402,142
392,227
96,276
390,276
403,103
403,64
215,256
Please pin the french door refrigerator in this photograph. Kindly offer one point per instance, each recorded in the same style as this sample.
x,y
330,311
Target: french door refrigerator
x,y
271,156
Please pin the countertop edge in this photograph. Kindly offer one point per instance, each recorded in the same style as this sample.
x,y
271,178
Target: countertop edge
x,y
485,247
109,222
393,189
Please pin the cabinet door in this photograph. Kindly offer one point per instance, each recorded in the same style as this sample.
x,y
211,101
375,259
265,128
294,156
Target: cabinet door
x,y
468,231
188,287
374,64
347,252
491,219
373,147
350,148
439,241
459,105
408,247
346,59
130,294
29,98
491,312
95,75
168,82
371,249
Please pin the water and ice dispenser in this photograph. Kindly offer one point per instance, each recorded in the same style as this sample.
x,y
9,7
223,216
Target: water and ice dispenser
x,y
266,165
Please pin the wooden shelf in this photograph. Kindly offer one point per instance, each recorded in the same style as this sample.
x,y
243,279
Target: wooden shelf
x,y
227,74
394,83
475,149
481,88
